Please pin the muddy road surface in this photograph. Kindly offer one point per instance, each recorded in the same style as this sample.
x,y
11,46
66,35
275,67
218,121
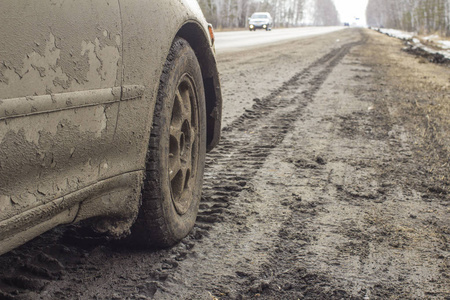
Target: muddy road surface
x,y
331,182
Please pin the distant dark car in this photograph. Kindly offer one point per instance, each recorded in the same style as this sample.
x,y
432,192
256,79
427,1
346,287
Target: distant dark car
x,y
107,109
262,20
346,24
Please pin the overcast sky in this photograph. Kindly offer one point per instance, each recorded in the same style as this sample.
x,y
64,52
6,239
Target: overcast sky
x,y
351,9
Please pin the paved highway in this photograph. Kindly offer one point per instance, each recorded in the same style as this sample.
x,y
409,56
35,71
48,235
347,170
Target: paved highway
x,y
238,40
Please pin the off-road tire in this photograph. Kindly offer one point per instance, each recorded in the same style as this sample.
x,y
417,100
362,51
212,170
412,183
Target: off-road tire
x,y
176,153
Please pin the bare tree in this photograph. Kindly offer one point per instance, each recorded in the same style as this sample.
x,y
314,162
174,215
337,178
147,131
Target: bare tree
x,y
325,13
286,13
423,16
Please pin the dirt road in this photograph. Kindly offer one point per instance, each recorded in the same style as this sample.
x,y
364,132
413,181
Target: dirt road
x,y
331,182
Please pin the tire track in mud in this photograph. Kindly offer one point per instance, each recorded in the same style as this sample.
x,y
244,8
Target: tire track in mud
x,y
229,170
248,222
231,166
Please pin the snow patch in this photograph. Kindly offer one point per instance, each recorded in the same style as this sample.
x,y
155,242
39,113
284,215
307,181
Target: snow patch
x,y
403,35
415,42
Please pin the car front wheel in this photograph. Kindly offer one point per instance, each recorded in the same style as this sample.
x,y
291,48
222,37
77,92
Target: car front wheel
x,y
176,154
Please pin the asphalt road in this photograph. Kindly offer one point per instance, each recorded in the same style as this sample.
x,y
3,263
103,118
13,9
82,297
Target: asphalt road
x,y
239,40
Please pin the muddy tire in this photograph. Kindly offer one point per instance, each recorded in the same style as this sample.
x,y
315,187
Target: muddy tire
x,y
176,154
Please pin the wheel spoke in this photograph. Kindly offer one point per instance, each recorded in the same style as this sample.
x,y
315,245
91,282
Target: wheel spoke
x,y
177,183
185,92
177,110
192,146
175,167
174,150
175,131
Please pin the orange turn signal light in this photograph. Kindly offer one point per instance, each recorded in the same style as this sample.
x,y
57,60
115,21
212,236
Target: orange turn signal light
x,y
211,34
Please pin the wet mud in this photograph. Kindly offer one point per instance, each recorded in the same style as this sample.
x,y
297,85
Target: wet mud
x,y
436,57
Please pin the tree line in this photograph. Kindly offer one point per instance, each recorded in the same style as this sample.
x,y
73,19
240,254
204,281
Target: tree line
x,y
422,16
285,13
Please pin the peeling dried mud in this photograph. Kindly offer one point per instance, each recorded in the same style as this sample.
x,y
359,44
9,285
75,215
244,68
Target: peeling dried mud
x,y
331,182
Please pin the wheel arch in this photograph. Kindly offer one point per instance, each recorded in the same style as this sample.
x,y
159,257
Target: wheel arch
x,y
197,39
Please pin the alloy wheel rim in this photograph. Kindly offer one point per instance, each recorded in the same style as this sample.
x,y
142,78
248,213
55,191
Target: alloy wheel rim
x,y
183,144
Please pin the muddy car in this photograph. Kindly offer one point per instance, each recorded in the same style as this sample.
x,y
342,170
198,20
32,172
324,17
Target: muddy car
x,y
262,20
107,110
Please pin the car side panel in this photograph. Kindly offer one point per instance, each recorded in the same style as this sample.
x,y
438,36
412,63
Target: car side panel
x,y
60,77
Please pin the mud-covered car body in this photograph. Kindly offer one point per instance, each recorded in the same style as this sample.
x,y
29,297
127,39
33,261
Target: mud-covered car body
x,y
78,83
261,20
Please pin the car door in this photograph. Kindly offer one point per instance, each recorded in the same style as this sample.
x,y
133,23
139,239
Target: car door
x,y
60,91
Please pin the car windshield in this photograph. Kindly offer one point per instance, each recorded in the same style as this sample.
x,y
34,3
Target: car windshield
x,y
260,16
